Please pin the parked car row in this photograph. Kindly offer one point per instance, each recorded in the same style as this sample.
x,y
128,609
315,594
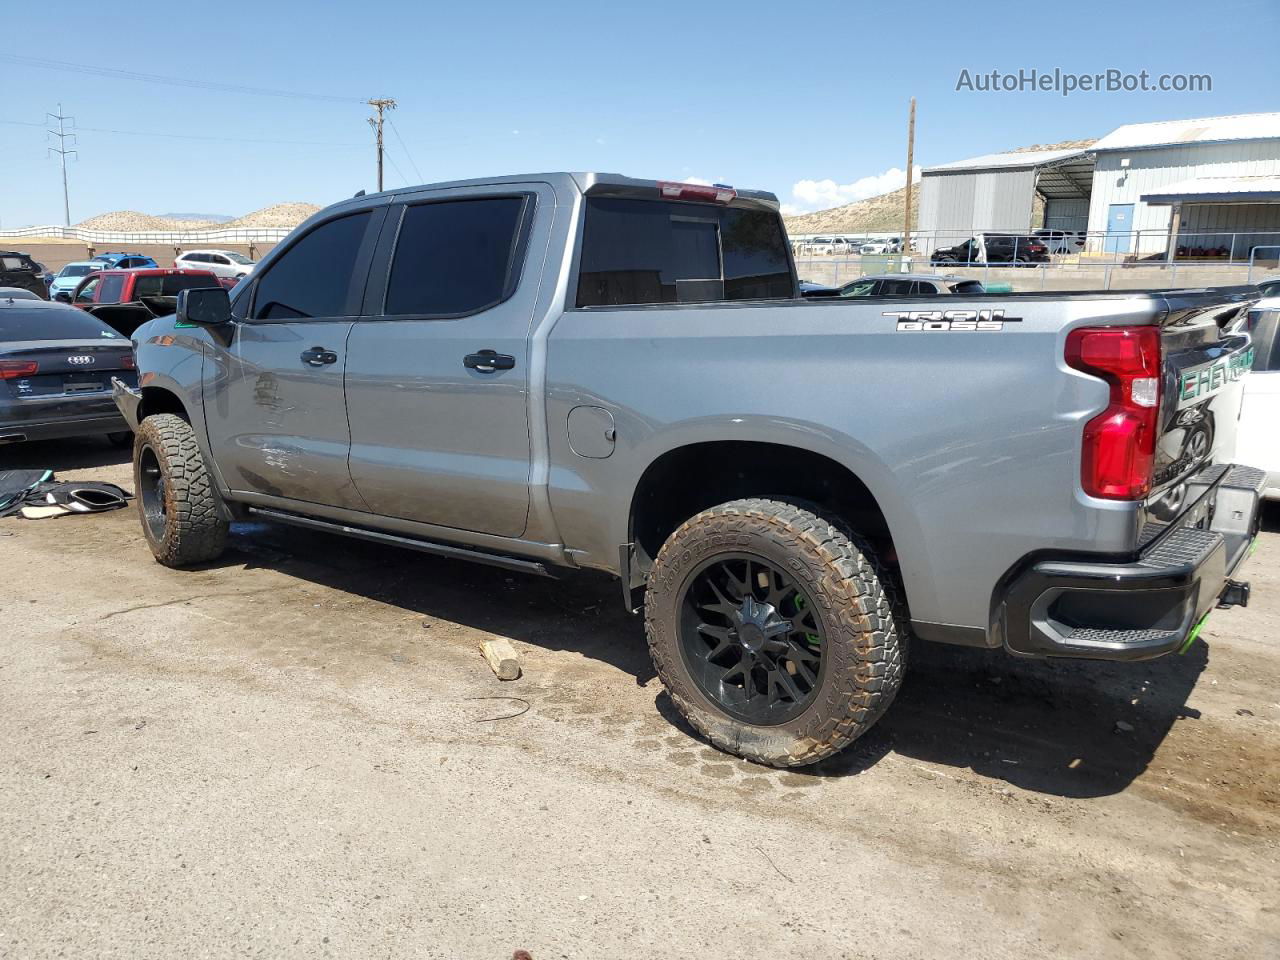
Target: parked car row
x,y
19,270
842,245
897,285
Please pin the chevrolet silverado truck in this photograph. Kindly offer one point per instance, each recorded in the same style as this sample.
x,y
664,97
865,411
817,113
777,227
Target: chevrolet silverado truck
x,y
592,371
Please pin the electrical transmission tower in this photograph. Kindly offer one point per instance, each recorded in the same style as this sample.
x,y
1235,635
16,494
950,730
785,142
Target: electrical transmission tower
x,y
62,150
380,104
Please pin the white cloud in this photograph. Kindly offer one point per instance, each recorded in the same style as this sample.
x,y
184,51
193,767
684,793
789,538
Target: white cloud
x,y
822,194
697,180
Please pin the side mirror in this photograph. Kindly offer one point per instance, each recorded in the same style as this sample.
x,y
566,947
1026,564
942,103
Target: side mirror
x,y
206,306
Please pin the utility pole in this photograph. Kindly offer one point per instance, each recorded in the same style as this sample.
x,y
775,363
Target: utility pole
x,y
911,149
62,150
380,104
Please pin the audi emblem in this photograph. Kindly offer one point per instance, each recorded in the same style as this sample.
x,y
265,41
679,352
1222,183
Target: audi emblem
x,y
80,361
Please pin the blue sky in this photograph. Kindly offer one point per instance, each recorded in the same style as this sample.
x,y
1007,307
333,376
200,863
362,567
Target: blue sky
x,y
808,100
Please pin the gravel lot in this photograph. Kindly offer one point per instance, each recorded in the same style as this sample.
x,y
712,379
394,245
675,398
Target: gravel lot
x,y
298,752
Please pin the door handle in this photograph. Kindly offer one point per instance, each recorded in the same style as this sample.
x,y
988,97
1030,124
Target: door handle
x,y
318,356
487,361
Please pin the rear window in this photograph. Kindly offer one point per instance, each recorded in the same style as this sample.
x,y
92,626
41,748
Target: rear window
x,y
14,263
970,287
168,285
651,251
52,322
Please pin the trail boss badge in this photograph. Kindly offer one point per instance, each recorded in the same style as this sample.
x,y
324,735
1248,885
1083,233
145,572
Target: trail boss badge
x,y
933,321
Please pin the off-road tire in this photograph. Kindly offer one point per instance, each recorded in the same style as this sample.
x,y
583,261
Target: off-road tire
x,y
194,528
857,598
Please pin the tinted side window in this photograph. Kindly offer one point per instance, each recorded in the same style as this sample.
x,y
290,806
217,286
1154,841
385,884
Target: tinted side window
x,y
896,288
111,287
313,277
456,257
650,251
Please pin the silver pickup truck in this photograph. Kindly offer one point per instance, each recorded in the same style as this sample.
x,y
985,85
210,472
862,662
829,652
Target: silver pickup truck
x,y
592,371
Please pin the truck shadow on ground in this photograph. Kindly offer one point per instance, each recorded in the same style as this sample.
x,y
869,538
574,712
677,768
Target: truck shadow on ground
x,y
77,453
1064,728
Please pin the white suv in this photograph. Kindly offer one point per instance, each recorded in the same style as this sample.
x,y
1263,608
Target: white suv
x,y
221,263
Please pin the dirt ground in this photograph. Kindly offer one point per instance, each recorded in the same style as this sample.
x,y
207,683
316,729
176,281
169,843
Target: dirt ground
x,y
298,752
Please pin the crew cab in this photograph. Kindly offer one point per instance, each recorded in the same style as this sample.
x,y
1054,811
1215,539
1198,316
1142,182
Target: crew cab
x,y
126,299
561,371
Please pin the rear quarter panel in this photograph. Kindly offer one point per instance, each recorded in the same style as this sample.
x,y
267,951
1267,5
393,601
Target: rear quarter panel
x,y
970,441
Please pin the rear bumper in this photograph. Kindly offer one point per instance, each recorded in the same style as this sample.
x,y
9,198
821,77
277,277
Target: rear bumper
x,y
1150,605
60,429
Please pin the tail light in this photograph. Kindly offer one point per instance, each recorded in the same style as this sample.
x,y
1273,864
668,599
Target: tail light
x,y
713,193
13,369
1119,449
127,362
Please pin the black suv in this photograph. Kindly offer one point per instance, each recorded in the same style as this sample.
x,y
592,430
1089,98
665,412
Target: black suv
x,y
19,270
995,248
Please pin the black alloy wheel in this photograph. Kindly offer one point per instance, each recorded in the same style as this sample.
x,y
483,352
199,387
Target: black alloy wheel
x,y
750,639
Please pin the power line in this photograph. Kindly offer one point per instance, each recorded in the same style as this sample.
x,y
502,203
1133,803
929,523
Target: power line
x,y
62,150
189,136
396,130
94,71
396,168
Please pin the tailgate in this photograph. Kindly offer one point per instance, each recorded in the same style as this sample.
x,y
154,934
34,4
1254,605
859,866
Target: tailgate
x,y
1207,352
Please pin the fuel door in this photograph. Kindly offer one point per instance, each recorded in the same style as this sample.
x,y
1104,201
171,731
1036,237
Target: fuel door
x,y
591,432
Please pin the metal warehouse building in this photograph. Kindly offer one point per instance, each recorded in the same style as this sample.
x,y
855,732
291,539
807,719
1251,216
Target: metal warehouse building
x,y
1205,188
1213,184
997,192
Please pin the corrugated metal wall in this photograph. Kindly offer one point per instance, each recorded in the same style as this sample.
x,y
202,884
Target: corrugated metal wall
x,y
1152,169
1066,214
954,206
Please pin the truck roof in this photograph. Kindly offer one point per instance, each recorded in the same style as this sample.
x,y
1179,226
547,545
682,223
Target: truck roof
x,y
586,182
148,271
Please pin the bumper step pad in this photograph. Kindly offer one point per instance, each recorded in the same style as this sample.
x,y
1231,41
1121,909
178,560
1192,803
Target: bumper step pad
x,y
1154,603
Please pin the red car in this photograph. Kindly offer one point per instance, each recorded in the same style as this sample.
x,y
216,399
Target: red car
x,y
126,299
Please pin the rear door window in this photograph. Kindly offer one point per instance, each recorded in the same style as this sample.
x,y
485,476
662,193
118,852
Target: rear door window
x,y
896,288
651,251
110,289
457,257
313,278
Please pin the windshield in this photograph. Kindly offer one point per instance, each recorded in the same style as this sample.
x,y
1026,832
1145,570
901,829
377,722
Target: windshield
x,y
78,269
238,258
